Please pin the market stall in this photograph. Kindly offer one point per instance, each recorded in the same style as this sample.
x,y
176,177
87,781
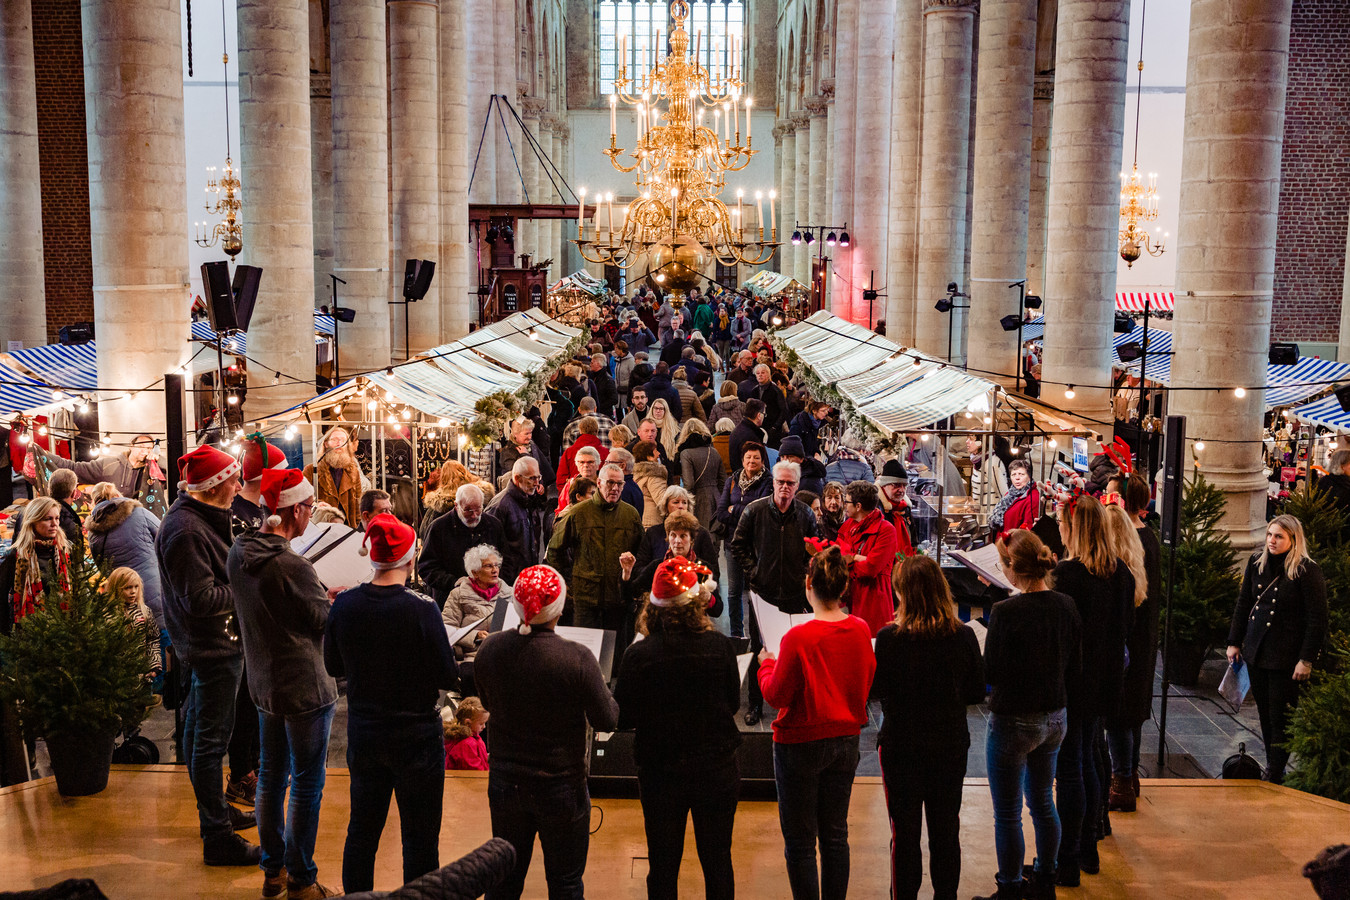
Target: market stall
x,y
575,299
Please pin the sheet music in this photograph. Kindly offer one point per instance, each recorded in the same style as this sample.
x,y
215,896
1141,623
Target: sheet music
x,y
336,555
980,633
773,622
743,664
984,562
457,634
593,639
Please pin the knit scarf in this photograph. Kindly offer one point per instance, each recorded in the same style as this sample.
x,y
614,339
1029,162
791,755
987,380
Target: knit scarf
x,y
486,593
747,482
1005,503
29,590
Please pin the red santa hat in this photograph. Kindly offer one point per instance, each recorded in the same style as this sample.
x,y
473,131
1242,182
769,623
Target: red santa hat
x,y
205,467
679,581
388,542
539,595
252,458
283,488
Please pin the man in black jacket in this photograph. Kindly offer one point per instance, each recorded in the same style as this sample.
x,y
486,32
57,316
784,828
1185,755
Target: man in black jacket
x,y
441,564
748,430
523,443
520,509
601,386
771,395
770,545
192,547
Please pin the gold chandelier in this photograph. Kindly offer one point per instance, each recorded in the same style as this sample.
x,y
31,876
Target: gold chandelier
x,y
681,164
228,233
1138,203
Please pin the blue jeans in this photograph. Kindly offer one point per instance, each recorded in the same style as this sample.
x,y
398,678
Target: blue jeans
x,y
815,784
1078,790
294,753
735,596
558,810
1123,741
208,721
407,762
1020,754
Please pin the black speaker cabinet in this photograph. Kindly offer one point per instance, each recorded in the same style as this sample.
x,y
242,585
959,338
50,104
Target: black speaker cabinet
x,y
1174,467
219,296
417,278
614,773
245,289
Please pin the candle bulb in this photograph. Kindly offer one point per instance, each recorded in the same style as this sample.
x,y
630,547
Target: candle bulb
x,y
613,111
740,217
773,221
674,208
726,124
609,214
736,111
759,213
748,101
581,210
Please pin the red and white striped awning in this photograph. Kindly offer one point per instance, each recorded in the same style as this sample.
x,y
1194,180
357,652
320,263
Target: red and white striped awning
x,y
1134,302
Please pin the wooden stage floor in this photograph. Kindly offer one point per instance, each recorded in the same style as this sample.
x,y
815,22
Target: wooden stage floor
x,y
1190,839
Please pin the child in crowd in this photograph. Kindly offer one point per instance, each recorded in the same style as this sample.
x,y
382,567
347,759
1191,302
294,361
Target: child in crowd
x,y
125,584
464,746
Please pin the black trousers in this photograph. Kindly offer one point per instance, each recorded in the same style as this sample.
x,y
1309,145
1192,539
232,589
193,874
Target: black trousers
x,y
244,740
754,694
1276,694
669,798
924,784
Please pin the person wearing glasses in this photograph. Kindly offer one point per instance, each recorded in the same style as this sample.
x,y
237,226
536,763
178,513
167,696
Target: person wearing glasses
x,y
770,546
520,510
282,610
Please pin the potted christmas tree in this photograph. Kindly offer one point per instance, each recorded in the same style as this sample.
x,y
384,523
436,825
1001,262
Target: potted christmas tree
x,y
77,670
1206,585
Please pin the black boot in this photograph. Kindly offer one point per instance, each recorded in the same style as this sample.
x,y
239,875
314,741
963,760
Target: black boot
x,y
230,850
1088,859
1005,892
1037,885
240,820
753,715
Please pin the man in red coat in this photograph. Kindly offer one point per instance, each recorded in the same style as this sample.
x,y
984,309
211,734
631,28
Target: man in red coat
x,y
868,542
893,482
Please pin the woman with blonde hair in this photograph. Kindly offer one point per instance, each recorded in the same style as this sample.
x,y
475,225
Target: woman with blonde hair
x,y
1279,641
928,671
1103,592
700,467
125,584
667,427
38,562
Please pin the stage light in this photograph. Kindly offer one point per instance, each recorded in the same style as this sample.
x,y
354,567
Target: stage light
x,y
944,305
796,238
831,239
810,238
389,372
843,239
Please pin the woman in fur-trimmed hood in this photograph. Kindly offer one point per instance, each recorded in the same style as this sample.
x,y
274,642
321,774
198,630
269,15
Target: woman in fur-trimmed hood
x,y
122,533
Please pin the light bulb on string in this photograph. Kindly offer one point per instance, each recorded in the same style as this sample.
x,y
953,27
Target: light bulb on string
x,y
1069,393
373,405
42,431
389,372
1199,446
1239,392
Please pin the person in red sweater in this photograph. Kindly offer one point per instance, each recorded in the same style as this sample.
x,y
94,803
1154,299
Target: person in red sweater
x,y
568,467
464,746
819,682
1021,506
868,543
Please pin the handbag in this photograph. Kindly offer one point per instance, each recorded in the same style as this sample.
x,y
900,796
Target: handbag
x,y
1236,683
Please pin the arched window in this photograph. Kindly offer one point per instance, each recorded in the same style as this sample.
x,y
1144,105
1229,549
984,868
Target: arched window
x,y
644,23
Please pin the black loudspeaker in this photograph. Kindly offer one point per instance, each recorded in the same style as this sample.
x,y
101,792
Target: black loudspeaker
x,y
417,278
219,296
1343,396
1283,354
1174,465
245,290
76,333
613,773
175,428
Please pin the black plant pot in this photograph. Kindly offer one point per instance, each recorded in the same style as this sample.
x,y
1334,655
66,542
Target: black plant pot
x,y
81,762
1184,662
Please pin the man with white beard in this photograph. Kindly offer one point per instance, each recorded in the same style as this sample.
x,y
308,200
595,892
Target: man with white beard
x,y
336,477
441,564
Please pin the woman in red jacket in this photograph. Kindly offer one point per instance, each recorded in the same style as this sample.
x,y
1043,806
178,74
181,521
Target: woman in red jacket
x,y
819,683
868,543
1021,506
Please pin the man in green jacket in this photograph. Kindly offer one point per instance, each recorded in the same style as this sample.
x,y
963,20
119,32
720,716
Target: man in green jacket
x,y
595,534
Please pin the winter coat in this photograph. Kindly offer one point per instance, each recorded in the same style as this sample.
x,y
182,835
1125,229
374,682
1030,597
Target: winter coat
x,y
870,596
463,605
347,498
1279,621
813,476
114,468
741,329
596,533
122,533
1106,608
522,521
722,444
603,425
192,547
727,408
807,427
733,501
775,409
282,610
702,472
508,455
441,565
1136,695
703,318
602,386
660,387
653,479
989,481
623,371
690,405
847,467
746,431
1022,514
653,549
771,547
567,466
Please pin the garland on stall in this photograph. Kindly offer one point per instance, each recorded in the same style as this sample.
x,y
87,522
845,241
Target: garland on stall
x,y
497,410
861,426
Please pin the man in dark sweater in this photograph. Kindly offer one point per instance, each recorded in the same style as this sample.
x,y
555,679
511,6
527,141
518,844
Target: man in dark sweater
x,y
391,646
282,609
441,564
192,546
542,691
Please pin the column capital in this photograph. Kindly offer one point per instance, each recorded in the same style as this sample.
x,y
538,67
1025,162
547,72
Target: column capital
x,y
320,85
930,6
532,107
827,88
817,105
1044,87
786,127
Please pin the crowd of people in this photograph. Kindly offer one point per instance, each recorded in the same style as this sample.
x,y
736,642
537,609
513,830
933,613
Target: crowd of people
x,y
650,499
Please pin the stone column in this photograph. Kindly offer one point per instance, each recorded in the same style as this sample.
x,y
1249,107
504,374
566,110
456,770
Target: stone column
x,y
321,176
1002,180
528,236
507,36
1042,111
818,212
278,199
841,152
22,295
559,247
414,142
482,74
457,278
871,164
948,27
827,202
801,257
1081,243
786,132
902,229
1230,186
133,88
360,126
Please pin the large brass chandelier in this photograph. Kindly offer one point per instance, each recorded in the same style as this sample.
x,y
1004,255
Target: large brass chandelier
x,y
681,163
1138,202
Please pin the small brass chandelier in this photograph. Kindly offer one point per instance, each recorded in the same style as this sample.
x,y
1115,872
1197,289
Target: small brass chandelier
x,y
681,163
1138,203
223,194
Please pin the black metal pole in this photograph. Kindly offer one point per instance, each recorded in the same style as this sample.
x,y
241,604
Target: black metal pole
x,y
1143,366
1021,316
1166,646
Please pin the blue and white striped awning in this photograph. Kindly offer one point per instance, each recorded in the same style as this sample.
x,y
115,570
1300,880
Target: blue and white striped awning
x,y
20,393
1326,412
74,366
238,342
1285,385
